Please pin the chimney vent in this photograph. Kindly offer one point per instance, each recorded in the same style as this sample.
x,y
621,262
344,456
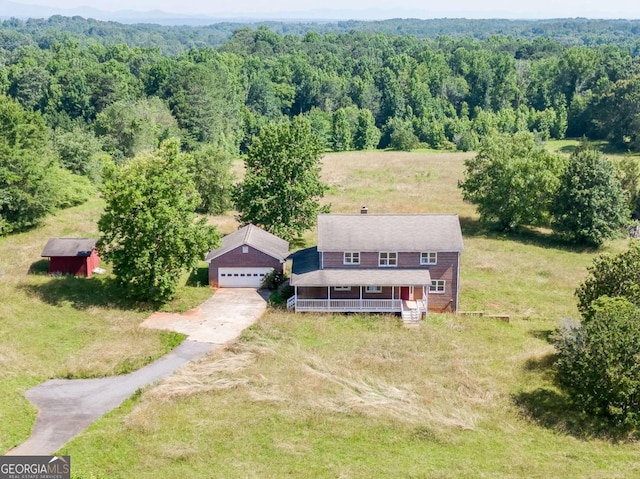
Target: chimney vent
x,y
364,210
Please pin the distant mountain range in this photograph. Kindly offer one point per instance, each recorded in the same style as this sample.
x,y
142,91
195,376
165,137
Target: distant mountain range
x,y
9,9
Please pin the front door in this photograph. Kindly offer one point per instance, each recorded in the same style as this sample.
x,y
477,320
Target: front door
x,y
404,293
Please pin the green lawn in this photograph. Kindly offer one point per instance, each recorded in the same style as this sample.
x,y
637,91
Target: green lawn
x,y
337,396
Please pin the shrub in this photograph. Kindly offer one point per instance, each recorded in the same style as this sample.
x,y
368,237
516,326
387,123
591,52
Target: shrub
x,y
611,275
273,279
403,139
598,361
280,296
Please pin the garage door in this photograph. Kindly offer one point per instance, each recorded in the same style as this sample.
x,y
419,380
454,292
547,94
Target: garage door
x,y
241,277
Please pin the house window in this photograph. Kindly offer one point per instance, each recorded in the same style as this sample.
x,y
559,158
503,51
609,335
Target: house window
x,y
429,258
373,289
437,286
342,288
245,249
386,258
351,258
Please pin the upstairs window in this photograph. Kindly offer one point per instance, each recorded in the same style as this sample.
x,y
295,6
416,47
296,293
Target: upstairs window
x,y
429,257
351,258
437,286
387,259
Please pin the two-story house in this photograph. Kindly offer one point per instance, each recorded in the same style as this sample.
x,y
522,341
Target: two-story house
x,y
407,264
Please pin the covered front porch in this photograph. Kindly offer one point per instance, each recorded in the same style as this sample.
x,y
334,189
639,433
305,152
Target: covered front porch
x,y
411,301
357,290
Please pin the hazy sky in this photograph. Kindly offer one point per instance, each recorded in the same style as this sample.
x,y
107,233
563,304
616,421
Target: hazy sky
x,y
377,8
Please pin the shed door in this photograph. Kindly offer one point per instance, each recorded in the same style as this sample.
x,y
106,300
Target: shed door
x,y
242,277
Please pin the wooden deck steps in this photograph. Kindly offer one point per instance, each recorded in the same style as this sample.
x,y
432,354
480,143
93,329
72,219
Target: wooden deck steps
x,y
410,312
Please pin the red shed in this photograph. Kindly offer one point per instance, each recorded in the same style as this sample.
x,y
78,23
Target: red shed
x,y
76,256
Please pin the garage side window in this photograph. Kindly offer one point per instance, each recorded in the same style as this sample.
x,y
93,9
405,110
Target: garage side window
x,y
245,249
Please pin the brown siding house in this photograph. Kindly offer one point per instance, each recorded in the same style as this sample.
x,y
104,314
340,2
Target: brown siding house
x,y
246,257
380,263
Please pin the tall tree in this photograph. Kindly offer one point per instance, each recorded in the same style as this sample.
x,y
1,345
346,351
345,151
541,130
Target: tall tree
x,y
367,135
148,228
213,179
590,205
342,137
26,192
282,185
512,181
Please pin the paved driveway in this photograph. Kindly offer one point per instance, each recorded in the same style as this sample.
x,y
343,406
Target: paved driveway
x,y
67,407
218,320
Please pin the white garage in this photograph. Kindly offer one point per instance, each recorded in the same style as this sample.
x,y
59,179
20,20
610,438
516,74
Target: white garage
x,y
241,277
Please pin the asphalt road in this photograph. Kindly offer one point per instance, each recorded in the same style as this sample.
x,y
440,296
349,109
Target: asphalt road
x,y
68,406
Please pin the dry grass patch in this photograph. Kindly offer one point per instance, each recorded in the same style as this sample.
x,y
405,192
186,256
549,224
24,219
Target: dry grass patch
x,y
352,396
394,182
386,372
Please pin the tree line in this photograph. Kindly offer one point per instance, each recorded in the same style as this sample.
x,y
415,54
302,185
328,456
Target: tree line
x,y
94,103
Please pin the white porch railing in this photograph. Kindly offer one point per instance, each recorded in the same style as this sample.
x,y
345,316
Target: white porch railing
x,y
345,305
291,302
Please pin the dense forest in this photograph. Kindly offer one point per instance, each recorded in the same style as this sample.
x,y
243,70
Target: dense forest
x,y
77,94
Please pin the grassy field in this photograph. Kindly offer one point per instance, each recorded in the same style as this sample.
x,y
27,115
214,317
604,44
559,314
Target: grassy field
x,y
355,396
318,396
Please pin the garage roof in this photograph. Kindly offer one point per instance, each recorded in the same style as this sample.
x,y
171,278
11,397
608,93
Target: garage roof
x,y
255,237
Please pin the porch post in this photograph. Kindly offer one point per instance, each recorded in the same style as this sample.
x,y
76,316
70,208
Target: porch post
x,y
329,297
360,297
425,295
393,297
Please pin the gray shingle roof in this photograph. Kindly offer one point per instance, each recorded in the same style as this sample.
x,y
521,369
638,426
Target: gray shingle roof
x,y
255,237
69,247
389,233
306,272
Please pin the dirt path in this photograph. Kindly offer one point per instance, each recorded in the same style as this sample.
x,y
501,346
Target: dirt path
x,y
67,407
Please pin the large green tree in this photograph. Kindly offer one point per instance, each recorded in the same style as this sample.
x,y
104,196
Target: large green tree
x,y
148,229
282,186
590,206
611,275
26,190
512,180
212,175
598,361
